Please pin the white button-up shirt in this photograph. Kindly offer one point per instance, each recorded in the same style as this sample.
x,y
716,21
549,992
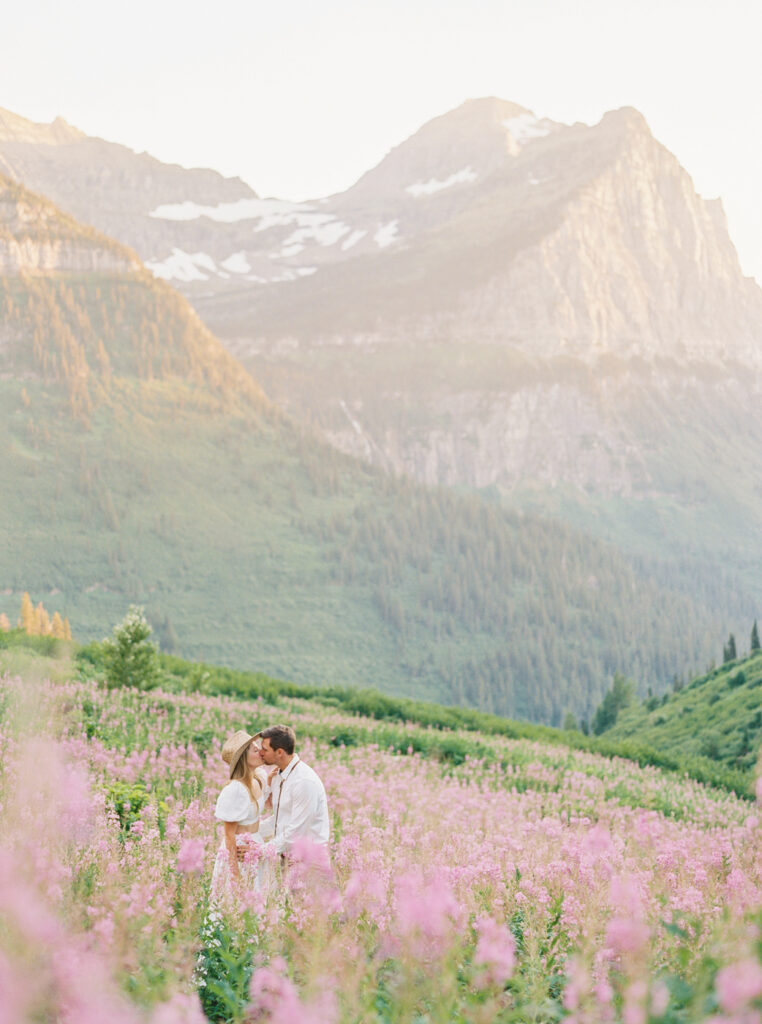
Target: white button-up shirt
x,y
300,807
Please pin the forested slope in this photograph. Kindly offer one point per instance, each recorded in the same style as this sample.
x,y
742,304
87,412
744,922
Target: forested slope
x,y
718,715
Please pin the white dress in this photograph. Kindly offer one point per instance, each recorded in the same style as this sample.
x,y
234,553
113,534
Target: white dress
x,y
235,804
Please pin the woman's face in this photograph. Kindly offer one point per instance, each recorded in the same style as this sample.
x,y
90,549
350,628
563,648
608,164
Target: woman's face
x,y
254,756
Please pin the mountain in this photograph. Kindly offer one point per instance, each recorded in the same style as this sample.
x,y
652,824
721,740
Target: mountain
x,y
79,310
549,312
106,185
140,463
211,234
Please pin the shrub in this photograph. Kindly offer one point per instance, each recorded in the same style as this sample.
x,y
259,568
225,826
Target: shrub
x,y
48,646
710,744
128,800
129,657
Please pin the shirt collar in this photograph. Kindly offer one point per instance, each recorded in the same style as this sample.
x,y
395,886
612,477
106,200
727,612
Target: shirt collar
x,y
291,765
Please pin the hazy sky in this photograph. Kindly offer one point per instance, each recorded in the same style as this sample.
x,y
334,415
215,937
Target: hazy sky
x,y
299,98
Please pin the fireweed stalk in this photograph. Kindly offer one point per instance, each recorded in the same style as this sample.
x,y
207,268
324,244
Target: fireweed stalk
x,y
553,884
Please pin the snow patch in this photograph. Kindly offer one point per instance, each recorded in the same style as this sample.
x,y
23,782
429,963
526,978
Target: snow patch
x,y
183,266
324,230
427,188
287,250
237,263
353,239
526,127
386,234
227,213
287,275
302,220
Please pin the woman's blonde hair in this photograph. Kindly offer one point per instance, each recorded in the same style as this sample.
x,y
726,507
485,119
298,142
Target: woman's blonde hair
x,y
243,773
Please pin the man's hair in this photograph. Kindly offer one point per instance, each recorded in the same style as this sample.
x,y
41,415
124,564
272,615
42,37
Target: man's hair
x,y
281,737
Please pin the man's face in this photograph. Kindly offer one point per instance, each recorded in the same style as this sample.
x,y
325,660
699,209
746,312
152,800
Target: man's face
x,y
267,752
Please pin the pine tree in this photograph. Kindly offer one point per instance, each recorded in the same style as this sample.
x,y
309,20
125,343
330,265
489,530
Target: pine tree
x,y
57,626
4,623
67,629
129,656
729,652
754,637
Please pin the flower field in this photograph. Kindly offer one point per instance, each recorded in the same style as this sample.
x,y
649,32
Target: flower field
x,y
534,884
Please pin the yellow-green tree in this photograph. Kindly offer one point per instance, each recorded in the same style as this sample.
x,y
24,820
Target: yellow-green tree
x,y
42,621
26,621
57,627
4,623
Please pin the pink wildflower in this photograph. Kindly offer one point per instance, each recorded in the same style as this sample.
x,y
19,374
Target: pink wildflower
x,y
626,935
578,985
427,910
15,994
311,855
495,950
274,996
190,859
604,993
659,999
738,984
181,1009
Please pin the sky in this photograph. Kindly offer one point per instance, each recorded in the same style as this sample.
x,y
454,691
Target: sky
x,y
300,97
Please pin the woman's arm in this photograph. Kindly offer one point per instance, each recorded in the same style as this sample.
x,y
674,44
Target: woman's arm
x,y
256,788
231,827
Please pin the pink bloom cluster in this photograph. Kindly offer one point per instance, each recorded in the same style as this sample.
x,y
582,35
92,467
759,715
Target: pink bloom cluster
x,y
438,870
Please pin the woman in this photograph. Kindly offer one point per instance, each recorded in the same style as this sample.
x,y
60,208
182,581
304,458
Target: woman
x,y
239,807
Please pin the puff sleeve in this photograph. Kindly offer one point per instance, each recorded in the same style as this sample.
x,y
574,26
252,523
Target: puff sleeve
x,y
233,803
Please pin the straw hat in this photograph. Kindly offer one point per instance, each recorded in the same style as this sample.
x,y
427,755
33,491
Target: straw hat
x,y
234,746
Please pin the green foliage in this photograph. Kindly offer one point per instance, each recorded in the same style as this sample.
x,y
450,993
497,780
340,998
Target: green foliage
x,y
223,970
754,642
48,646
737,680
715,720
621,694
729,652
127,799
129,658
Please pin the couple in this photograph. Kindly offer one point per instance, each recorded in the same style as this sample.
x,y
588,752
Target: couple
x,y
273,797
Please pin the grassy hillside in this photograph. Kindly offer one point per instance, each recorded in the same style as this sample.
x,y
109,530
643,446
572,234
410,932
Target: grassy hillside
x,y
718,715
141,464
447,734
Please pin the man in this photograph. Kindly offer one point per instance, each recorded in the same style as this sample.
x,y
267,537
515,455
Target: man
x,y
300,808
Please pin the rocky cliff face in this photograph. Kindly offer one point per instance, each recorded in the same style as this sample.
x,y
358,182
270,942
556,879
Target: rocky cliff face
x,y
35,237
565,327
